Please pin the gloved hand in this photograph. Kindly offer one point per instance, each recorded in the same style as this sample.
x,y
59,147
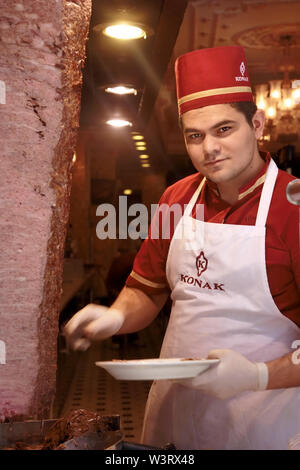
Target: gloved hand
x,y
93,322
232,375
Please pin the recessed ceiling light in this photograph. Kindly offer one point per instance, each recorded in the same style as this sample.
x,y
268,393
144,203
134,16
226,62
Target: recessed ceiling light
x,y
138,137
142,148
119,123
127,192
143,156
124,31
121,90
146,165
140,144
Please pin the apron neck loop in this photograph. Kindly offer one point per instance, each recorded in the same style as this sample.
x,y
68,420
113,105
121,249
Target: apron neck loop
x,y
192,202
266,194
265,198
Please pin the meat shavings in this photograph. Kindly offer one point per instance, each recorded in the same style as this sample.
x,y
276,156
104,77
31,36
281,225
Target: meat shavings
x,y
74,424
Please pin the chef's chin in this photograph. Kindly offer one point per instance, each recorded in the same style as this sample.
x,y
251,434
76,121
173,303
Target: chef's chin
x,y
218,176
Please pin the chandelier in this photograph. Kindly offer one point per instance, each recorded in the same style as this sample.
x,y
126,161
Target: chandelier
x,y
280,99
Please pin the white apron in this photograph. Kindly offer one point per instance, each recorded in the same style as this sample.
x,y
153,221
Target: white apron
x,y
221,299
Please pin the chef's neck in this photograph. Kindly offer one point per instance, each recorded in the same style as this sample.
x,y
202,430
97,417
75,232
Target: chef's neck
x,y
229,190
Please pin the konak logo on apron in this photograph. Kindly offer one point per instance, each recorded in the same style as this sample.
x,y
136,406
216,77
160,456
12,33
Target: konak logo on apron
x,y
221,300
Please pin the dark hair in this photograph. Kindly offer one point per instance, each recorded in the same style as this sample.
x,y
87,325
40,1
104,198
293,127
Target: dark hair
x,y
247,108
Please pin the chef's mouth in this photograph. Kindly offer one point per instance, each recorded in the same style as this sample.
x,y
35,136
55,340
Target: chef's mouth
x,y
215,162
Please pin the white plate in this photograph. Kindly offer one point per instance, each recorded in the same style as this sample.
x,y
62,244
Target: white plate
x,y
155,369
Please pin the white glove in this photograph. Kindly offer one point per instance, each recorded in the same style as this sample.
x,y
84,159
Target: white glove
x,y
92,323
232,375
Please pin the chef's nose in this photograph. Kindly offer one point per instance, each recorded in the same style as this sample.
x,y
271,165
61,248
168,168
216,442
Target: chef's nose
x,y
211,146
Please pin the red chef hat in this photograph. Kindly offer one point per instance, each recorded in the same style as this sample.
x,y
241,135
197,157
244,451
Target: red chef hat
x,y
212,76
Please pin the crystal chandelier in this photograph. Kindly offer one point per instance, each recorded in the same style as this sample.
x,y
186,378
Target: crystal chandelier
x,y
280,99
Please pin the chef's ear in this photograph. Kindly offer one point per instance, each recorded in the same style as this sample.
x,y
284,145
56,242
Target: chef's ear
x,y
258,122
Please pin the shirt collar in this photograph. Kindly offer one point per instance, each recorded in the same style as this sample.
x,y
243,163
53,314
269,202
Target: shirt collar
x,y
252,184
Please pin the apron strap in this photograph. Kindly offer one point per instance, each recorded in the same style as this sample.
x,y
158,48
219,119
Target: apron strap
x,y
265,198
190,205
266,194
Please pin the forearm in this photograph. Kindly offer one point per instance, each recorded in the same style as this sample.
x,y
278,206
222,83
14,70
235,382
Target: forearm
x,y
138,309
132,311
284,372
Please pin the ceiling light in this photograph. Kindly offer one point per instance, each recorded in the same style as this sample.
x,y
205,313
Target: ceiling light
x,y
143,156
275,94
288,103
296,94
121,90
119,123
137,137
145,165
124,31
271,112
261,104
127,192
142,148
140,143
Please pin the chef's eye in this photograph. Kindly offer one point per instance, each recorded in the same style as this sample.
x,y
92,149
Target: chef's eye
x,y
224,129
194,136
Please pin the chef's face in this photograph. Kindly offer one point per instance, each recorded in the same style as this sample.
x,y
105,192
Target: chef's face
x,y
221,143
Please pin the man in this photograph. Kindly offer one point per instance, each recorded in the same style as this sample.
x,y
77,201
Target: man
x,y
234,276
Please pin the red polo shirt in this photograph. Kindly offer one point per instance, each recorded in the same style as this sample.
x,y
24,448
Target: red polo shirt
x,y
282,236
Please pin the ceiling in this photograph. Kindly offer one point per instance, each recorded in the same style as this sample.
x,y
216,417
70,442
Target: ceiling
x,y
141,63
175,27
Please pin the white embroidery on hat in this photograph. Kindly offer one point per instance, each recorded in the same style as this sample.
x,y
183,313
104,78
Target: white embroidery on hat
x,y
242,70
